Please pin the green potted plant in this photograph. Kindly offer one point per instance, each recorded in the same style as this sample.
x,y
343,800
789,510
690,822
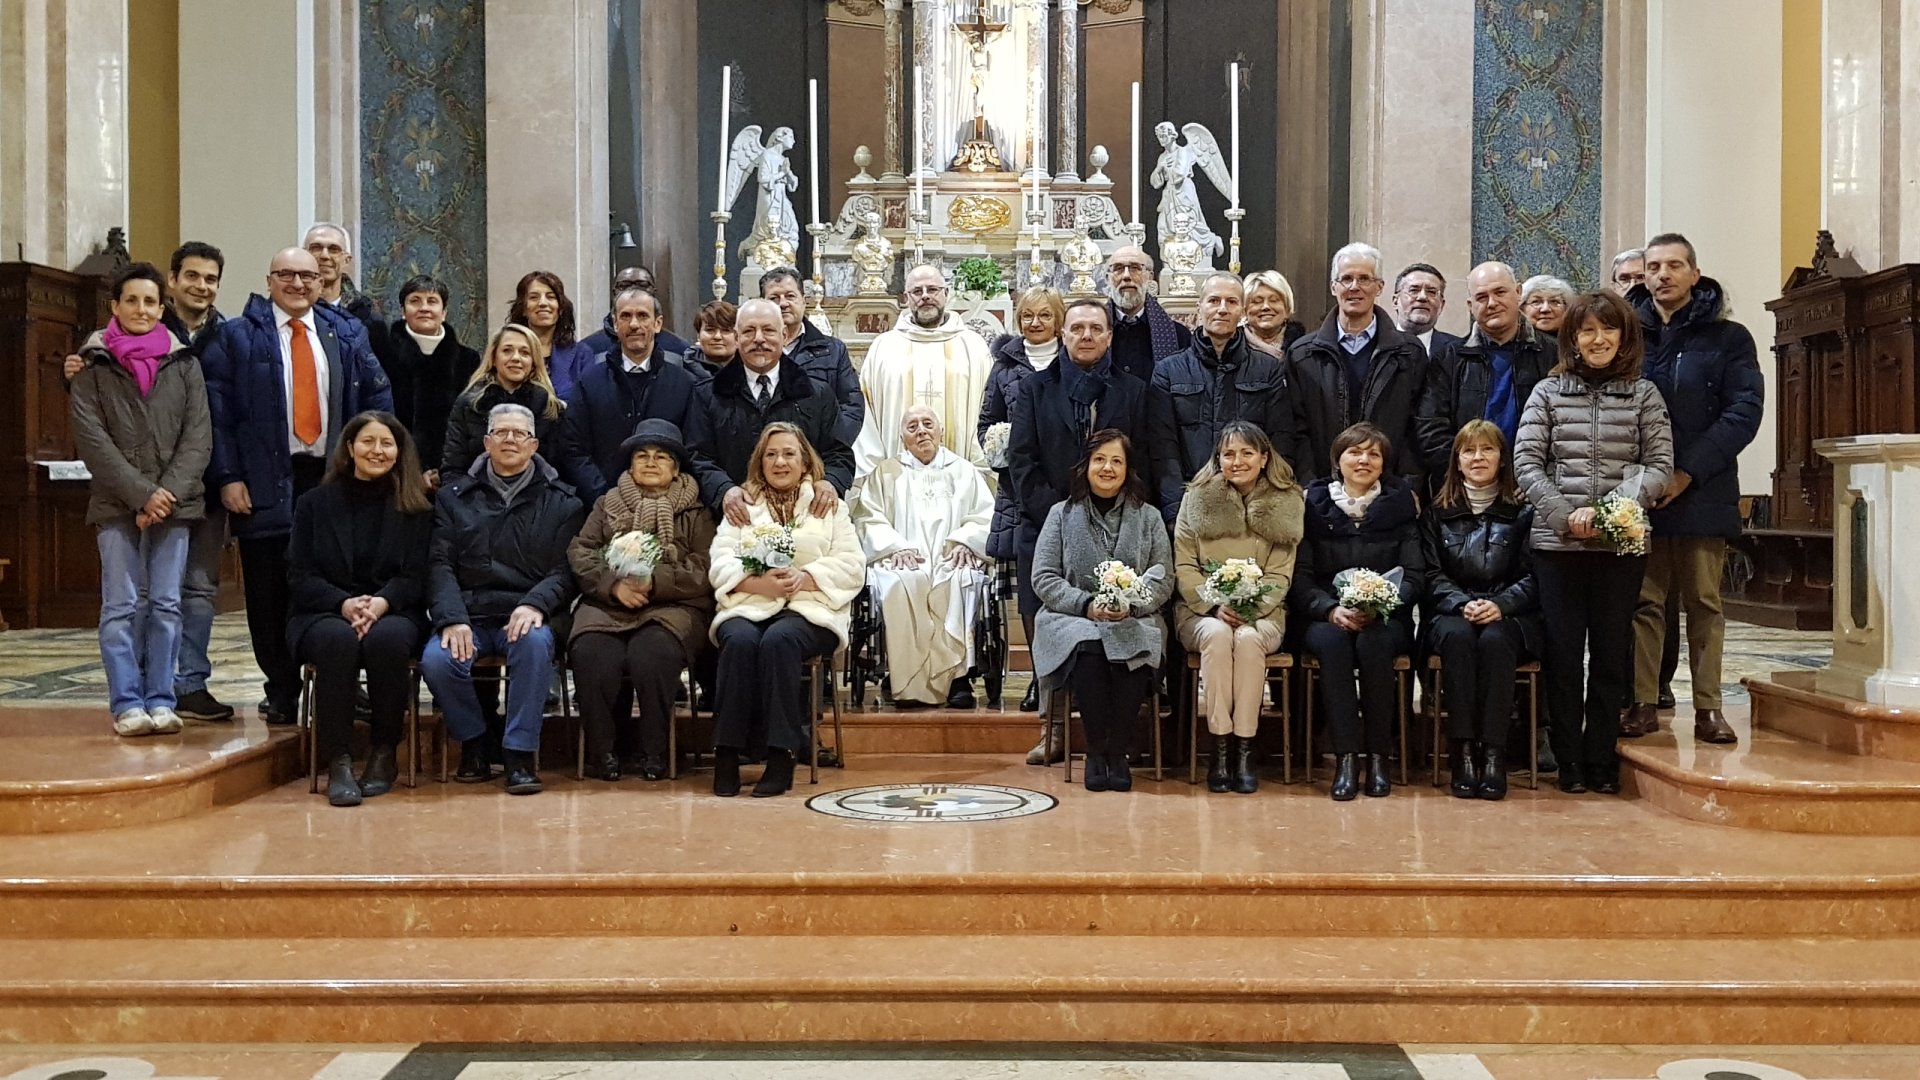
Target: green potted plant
x,y
978,279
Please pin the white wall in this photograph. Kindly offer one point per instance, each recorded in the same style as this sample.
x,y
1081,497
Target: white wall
x,y
1713,161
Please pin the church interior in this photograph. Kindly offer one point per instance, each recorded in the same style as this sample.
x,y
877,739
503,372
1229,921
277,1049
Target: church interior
x,y
926,902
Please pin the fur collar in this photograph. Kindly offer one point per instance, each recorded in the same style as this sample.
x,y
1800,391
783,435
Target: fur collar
x,y
1276,515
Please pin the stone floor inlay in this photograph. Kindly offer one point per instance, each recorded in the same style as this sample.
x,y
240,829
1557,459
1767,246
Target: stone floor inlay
x,y
932,802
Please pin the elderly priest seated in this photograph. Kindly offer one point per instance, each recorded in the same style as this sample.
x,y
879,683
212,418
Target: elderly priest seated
x,y
923,517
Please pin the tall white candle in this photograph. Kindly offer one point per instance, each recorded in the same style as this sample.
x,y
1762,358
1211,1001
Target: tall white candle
x,y
919,138
1233,78
1135,135
726,118
813,145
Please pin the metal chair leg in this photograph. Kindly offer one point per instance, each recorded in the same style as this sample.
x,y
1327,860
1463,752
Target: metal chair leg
x,y
1286,725
1437,709
303,715
1193,728
1533,729
1311,753
1406,698
1066,731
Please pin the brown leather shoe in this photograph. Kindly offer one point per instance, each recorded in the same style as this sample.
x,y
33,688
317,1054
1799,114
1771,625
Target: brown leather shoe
x,y
1640,720
1710,726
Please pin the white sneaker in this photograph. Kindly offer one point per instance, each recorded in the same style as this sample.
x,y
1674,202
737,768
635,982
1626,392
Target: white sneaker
x,y
165,721
134,721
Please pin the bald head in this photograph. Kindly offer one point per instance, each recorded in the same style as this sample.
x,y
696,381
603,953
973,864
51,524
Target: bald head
x,y
920,431
760,333
1129,269
293,281
926,296
1493,297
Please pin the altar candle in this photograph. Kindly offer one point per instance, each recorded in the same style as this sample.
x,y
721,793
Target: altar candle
x,y
813,145
726,118
1233,78
919,138
1135,219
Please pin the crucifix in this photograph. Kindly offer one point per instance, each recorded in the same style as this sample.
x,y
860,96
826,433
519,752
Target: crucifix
x,y
979,154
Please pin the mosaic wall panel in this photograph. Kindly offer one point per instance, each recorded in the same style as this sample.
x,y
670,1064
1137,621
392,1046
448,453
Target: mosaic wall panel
x,y
1537,136
423,183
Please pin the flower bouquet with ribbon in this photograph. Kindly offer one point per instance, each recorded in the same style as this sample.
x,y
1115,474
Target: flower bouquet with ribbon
x,y
633,555
1619,517
1370,591
994,446
1119,587
767,546
1237,584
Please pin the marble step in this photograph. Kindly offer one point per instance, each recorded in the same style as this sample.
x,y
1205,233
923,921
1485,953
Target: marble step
x,y
1789,703
1325,989
1775,781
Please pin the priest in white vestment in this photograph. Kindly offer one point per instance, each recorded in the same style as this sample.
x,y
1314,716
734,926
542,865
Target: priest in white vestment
x,y
923,516
929,358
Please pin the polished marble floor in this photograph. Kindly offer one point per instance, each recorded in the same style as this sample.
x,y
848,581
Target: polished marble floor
x,y
1019,1062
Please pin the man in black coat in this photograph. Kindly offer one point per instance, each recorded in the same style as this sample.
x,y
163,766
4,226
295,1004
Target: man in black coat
x,y
1217,380
823,357
1357,366
758,389
639,381
1487,376
1419,296
332,249
427,365
497,577
607,338
1143,333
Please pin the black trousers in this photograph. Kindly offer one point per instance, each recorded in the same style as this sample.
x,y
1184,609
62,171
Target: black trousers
x,y
1480,663
1589,599
1365,725
758,699
651,658
338,656
263,579
1109,697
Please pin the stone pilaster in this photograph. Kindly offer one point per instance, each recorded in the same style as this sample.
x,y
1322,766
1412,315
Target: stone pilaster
x,y
1067,93
890,165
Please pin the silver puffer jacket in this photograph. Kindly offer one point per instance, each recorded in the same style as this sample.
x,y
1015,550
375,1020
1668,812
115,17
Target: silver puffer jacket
x,y
1578,441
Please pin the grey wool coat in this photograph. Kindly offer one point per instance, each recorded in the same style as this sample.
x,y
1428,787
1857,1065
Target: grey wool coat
x,y
134,445
1578,441
1076,539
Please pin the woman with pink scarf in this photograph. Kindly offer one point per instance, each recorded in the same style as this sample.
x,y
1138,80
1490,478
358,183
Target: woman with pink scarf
x,y
139,413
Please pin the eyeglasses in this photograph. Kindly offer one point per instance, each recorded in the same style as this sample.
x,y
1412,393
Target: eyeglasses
x,y
927,291
1355,281
288,277
510,435
1127,268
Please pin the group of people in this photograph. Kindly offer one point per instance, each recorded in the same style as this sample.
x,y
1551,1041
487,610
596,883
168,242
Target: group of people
x,y
636,506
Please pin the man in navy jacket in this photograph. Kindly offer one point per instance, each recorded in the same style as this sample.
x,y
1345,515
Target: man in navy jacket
x,y
637,381
268,372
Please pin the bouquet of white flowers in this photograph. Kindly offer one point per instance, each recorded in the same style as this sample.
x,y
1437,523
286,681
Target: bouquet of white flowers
x,y
1237,584
1118,587
1370,591
634,555
994,446
1622,522
767,546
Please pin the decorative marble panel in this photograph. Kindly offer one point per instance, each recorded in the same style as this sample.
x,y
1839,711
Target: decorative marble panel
x,y
424,177
1537,136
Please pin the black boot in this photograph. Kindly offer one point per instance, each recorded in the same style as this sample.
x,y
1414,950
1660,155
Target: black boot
x,y
1217,769
1119,773
604,766
777,779
521,778
1493,777
1379,785
655,767
1466,771
1246,778
382,770
342,789
475,766
726,771
1031,703
960,694
1095,774
1346,780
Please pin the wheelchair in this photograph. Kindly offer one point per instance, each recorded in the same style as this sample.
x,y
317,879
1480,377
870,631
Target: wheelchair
x,y
867,645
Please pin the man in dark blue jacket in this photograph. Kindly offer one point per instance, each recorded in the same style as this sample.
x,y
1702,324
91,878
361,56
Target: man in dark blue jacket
x,y
607,338
282,379
823,357
639,381
1704,365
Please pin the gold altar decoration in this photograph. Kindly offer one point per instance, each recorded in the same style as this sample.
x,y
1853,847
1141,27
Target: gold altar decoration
x,y
979,214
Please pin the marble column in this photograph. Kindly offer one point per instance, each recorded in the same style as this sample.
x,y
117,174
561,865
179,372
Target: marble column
x,y
1623,119
672,242
336,110
1067,94
895,109
1036,148
1871,186
547,192
63,138
924,36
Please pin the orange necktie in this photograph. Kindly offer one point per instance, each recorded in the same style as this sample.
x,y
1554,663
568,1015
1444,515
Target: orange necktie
x,y
306,387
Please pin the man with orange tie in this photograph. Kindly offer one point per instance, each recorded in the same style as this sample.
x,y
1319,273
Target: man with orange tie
x,y
282,380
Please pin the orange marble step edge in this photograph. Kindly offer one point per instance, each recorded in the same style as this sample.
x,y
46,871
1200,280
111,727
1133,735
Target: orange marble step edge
x,y
1776,782
51,806
1788,703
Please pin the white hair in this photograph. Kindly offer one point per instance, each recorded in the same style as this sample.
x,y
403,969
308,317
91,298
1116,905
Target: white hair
x,y
346,238
1545,283
506,409
938,424
1357,250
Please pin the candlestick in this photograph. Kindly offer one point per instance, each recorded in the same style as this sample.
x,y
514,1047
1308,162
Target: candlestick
x,y
919,135
1233,75
1135,219
1233,245
818,230
726,118
813,145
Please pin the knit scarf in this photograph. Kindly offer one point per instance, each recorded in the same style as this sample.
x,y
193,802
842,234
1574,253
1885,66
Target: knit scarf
x,y
140,354
785,505
1162,332
630,509
1354,506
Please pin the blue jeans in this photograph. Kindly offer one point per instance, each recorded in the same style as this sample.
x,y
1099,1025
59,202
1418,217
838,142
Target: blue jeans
x,y
140,574
206,542
529,673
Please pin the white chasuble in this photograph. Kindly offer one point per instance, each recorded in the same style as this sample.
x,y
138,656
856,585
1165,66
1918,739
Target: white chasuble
x,y
943,367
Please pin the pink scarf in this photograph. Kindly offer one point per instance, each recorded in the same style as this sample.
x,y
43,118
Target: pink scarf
x,y
140,354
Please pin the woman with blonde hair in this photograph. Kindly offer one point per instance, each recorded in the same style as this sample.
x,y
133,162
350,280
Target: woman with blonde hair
x,y
1271,327
512,372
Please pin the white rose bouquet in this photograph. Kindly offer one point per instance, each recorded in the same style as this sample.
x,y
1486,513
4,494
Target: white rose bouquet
x,y
633,555
1237,584
767,546
994,446
1370,591
1118,587
1622,523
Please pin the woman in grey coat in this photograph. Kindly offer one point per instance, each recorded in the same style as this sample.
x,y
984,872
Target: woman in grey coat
x,y
1108,656
1591,428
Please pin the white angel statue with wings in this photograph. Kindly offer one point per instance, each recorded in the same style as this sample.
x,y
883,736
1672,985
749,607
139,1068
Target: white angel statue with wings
x,y
775,240
1173,174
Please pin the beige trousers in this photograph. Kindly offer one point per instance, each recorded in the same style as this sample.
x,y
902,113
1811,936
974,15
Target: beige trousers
x,y
1233,668
1688,567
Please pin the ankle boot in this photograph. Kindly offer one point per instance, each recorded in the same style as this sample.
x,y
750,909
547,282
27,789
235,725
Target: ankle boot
x,y
1246,778
1379,785
1217,768
1466,771
726,771
1094,776
1493,777
382,770
778,777
342,789
1050,748
1346,780
1119,773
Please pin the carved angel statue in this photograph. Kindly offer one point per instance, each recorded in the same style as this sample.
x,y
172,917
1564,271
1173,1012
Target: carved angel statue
x,y
775,239
1173,174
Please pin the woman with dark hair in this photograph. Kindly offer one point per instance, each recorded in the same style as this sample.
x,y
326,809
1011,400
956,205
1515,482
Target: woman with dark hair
x,y
1360,518
425,361
715,344
1593,427
1483,608
511,372
1107,654
359,562
540,302
772,618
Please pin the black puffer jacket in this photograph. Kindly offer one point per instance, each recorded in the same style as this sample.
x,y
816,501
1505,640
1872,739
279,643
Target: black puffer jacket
x,y
1387,537
1459,379
1483,556
733,423
467,424
1010,369
1200,391
1317,370
488,559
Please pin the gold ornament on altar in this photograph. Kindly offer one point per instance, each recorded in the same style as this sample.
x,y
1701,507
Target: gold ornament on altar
x,y
1183,254
874,256
978,214
1082,256
977,155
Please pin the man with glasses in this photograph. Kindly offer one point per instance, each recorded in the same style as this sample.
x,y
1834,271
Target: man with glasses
x,y
1490,375
929,358
1357,366
332,251
1143,333
282,379
1419,296
1629,269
